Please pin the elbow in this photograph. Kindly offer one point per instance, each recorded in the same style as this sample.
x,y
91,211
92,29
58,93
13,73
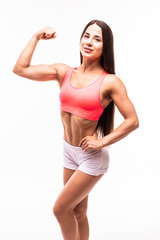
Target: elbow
x,y
135,124
16,71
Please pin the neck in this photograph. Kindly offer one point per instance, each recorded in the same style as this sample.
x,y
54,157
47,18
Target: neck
x,y
89,66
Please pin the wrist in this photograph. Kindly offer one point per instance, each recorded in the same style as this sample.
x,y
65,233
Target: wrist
x,y
103,142
35,37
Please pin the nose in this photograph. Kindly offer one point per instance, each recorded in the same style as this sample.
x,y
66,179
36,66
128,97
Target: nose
x,y
89,41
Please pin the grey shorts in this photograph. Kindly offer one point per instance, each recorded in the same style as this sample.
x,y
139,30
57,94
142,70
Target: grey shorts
x,y
93,162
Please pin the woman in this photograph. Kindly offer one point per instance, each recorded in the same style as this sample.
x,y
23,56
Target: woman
x,y
88,94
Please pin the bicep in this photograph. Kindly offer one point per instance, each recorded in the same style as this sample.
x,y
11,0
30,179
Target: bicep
x,y
120,97
39,72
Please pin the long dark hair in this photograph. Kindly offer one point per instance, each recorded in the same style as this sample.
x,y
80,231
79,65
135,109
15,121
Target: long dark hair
x,y
105,123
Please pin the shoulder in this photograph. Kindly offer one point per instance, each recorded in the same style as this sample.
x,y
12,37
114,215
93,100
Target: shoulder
x,y
61,69
114,83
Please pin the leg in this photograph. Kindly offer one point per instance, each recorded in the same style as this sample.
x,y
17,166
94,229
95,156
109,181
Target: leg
x,y
80,210
75,190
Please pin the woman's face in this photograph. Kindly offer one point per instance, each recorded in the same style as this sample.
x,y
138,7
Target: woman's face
x,y
91,45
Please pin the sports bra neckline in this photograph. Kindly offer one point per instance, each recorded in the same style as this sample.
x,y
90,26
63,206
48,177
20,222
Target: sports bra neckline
x,y
86,85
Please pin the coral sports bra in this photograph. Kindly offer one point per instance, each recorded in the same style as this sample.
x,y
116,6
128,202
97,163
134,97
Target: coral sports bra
x,y
83,102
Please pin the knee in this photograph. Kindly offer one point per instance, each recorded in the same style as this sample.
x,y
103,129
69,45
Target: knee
x,y
60,211
80,213
57,210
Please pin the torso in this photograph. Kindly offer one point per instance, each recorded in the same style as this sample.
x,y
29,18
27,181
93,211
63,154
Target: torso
x,y
75,127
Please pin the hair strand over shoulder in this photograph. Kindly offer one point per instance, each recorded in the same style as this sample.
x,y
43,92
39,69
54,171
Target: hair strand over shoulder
x,y
105,123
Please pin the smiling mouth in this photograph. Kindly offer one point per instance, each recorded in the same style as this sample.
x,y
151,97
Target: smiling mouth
x,y
87,49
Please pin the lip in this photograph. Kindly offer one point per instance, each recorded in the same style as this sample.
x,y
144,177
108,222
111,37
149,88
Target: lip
x,y
88,49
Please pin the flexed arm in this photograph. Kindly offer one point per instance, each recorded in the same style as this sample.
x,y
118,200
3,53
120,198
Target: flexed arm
x,y
41,72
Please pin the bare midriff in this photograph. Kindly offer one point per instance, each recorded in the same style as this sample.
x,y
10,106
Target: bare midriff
x,y
75,128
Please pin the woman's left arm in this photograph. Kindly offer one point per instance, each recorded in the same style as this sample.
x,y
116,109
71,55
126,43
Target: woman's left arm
x,y
120,97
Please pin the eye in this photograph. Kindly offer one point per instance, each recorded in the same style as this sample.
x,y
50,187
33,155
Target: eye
x,y
86,36
97,39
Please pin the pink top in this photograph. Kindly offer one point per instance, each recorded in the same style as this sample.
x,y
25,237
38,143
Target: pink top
x,y
83,102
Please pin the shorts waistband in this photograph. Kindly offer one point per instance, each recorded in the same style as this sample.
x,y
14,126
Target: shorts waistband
x,y
71,146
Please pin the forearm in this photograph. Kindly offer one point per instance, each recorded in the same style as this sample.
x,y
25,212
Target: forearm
x,y
120,132
26,55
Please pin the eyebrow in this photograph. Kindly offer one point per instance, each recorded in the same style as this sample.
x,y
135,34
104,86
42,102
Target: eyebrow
x,y
95,35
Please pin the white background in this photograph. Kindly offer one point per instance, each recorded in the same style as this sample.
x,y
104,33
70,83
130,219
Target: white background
x,y
125,204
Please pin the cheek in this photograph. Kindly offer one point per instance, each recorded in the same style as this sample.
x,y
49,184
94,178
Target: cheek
x,y
82,42
81,45
99,48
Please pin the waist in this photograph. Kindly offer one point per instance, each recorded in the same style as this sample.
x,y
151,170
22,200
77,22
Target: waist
x,y
70,145
78,149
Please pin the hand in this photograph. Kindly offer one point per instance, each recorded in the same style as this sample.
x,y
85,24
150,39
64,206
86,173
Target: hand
x,y
90,142
45,33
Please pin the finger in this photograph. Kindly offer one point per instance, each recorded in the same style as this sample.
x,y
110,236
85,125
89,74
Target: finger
x,y
47,33
51,36
48,37
85,144
54,36
82,140
86,148
53,33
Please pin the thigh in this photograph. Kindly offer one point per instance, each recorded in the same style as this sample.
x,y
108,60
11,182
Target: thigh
x,y
76,189
67,173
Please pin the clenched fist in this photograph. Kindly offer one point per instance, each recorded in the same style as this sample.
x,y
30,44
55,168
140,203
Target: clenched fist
x,y
45,33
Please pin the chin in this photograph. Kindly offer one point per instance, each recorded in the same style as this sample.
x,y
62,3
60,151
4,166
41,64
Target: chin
x,y
90,57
